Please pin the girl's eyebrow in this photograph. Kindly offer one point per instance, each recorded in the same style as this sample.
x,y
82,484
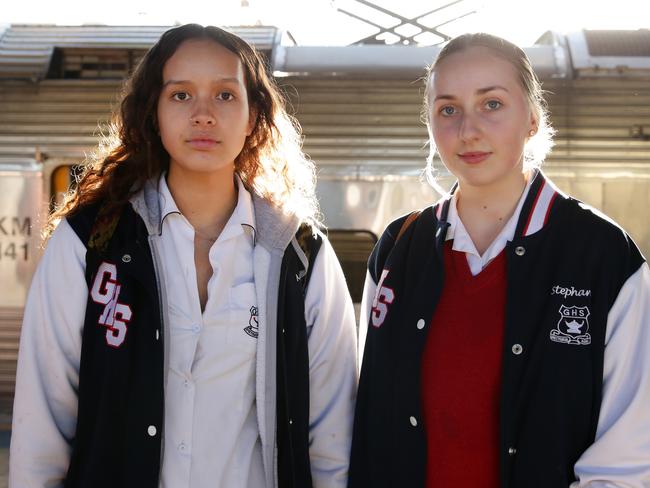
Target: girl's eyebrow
x,y
236,81
480,91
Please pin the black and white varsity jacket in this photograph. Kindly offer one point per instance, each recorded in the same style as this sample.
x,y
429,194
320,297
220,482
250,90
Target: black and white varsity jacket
x,y
575,402
87,414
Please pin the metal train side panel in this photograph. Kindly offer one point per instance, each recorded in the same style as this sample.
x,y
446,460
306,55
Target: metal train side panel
x,y
20,222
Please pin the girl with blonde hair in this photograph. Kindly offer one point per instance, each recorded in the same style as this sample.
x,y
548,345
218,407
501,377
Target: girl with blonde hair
x,y
507,326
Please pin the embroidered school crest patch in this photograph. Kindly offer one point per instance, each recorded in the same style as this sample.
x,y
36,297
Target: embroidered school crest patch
x,y
253,324
573,326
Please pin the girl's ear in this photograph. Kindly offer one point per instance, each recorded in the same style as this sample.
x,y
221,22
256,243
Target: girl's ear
x,y
534,124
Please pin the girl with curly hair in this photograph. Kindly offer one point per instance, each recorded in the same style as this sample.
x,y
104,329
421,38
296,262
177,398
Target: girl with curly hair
x,y
188,324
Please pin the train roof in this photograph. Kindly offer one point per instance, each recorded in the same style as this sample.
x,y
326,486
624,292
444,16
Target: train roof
x,y
28,52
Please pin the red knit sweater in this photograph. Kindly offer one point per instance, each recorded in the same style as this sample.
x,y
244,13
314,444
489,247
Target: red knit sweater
x,y
461,376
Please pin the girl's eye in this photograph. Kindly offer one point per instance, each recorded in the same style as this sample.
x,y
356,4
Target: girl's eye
x,y
447,111
180,96
225,96
493,104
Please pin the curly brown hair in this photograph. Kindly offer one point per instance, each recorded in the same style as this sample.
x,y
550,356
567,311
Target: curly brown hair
x,y
271,162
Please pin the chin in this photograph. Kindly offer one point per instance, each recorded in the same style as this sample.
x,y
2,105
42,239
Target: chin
x,y
479,179
203,167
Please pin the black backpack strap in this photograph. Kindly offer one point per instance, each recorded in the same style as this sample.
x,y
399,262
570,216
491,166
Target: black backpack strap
x,y
310,241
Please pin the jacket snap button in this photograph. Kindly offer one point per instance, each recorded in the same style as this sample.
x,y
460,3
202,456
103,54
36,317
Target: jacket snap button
x,y
512,451
414,421
517,349
420,324
126,258
520,250
151,430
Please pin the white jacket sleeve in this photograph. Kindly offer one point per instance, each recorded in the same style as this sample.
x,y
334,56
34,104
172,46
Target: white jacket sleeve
x,y
620,454
45,403
329,316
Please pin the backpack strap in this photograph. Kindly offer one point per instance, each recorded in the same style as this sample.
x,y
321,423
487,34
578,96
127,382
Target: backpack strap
x,y
310,242
409,220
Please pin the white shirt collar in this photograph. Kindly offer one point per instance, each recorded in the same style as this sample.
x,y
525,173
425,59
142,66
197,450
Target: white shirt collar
x,y
463,242
243,214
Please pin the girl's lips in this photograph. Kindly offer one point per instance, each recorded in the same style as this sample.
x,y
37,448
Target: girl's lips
x,y
200,143
474,157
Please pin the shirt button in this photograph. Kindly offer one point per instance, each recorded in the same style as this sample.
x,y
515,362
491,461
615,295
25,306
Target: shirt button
x,y
182,447
151,430
187,383
520,250
517,349
196,328
420,324
157,334
512,451
126,258
414,421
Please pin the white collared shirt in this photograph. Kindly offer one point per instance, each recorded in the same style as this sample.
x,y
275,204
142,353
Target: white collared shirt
x,y
463,242
211,432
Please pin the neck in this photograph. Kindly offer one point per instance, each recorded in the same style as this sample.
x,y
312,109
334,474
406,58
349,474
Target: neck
x,y
206,200
485,210
500,197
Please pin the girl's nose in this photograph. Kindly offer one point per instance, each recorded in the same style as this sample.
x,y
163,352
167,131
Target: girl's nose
x,y
469,128
202,115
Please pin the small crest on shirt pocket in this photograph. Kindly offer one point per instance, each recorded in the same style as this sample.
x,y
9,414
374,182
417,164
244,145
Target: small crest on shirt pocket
x,y
252,328
573,326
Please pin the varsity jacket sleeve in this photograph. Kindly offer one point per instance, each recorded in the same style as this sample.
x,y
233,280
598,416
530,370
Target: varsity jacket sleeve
x,y
45,403
332,370
620,454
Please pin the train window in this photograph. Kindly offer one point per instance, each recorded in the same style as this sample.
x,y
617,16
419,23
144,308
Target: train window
x,y
63,178
353,248
94,64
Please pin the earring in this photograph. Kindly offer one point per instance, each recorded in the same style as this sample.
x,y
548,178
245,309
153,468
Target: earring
x,y
531,132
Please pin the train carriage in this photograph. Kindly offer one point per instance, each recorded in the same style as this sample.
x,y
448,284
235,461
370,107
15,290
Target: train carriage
x,y
359,107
